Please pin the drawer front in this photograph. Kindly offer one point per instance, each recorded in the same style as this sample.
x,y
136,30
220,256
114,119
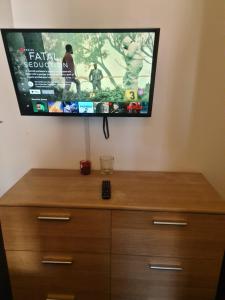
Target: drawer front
x,y
49,229
144,278
168,234
42,275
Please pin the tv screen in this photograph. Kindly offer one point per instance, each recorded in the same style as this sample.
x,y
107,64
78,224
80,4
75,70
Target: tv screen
x,y
96,72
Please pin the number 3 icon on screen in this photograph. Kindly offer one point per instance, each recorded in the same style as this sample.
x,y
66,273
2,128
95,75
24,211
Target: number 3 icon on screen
x,y
131,95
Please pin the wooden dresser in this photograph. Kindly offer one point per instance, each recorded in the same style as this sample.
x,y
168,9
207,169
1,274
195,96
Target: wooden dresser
x,y
160,237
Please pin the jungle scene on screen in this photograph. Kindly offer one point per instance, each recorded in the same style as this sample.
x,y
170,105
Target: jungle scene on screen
x,y
83,72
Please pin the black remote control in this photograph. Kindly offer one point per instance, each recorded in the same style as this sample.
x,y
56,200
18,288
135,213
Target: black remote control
x,y
106,189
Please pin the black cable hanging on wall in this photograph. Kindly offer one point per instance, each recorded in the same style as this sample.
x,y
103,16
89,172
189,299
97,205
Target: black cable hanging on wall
x,y
106,128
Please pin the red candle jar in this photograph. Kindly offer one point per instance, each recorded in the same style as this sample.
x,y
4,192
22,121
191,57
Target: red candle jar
x,y
85,167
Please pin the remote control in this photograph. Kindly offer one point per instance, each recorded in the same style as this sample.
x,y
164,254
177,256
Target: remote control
x,y
106,189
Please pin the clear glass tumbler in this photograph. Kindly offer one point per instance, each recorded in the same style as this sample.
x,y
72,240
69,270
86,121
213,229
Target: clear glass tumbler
x,y
106,164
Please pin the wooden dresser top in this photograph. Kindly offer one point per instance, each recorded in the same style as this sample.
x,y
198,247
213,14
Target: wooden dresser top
x,y
155,191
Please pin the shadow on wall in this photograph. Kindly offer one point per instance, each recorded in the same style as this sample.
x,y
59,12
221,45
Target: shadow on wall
x,y
181,93
208,125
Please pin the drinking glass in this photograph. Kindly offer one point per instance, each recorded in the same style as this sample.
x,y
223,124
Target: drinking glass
x,y
106,164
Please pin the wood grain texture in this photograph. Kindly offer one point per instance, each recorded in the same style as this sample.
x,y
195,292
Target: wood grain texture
x,y
155,191
133,280
134,233
81,236
86,231
88,277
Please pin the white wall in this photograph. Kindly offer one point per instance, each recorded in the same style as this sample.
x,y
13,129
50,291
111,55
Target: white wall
x,y
6,19
14,157
163,142
159,143
27,142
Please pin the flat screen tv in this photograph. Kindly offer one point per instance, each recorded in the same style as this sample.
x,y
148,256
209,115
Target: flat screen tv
x,y
83,72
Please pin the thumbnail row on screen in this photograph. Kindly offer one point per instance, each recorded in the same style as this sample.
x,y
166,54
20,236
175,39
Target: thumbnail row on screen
x,y
89,107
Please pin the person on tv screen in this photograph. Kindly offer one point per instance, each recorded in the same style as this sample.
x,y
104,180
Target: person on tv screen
x,y
68,71
95,78
115,108
40,107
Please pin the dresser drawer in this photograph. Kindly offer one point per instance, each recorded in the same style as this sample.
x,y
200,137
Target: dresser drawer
x,y
144,278
50,229
42,275
168,234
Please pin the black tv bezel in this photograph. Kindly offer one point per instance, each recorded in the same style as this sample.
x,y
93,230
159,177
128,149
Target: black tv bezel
x,y
4,32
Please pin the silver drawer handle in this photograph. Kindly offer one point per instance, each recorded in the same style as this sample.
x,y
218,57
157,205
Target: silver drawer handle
x,y
174,223
71,298
56,262
53,218
60,297
165,268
